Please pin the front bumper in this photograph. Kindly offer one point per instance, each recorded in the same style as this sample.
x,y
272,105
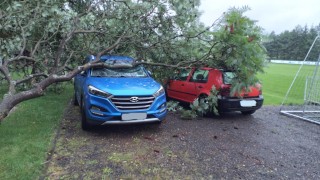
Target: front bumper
x,y
233,104
101,111
147,120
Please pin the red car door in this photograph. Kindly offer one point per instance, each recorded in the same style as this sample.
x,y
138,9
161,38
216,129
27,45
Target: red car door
x,y
189,89
200,82
190,92
180,88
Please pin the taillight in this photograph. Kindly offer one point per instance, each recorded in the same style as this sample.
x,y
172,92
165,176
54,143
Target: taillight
x,y
259,88
225,91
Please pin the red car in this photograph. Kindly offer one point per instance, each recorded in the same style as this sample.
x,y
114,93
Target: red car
x,y
192,83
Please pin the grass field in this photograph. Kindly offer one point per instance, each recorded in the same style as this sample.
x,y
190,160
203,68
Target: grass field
x,y
26,135
277,79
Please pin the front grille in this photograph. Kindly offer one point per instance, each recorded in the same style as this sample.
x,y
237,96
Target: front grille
x,y
132,102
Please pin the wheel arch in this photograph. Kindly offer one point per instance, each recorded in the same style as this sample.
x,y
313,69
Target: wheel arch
x,y
203,94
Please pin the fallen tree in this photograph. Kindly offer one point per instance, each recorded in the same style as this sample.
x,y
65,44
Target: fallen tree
x,y
45,43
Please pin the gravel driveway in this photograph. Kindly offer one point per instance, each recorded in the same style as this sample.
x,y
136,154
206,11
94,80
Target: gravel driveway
x,y
265,145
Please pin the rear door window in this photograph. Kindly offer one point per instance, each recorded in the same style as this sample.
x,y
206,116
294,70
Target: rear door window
x,y
183,74
228,77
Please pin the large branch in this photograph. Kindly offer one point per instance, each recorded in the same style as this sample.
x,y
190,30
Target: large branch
x,y
65,63
5,74
5,71
81,31
60,50
180,64
114,45
19,58
24,40
10,100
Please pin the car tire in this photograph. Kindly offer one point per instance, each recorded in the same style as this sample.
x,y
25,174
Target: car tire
x,y
209,113
75,101
84,122
248,112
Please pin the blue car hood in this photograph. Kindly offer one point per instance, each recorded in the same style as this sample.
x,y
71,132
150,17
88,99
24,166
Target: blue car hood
x,y
125,86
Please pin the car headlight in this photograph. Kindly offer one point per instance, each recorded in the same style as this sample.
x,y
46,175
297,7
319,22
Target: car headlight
x,y
159,92
98,92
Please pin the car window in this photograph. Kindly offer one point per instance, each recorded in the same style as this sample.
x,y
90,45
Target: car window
x,y
183,74
119,72
228,77
200,76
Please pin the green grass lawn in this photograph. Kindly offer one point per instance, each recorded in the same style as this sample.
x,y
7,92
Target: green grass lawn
x,y
26,135
277,79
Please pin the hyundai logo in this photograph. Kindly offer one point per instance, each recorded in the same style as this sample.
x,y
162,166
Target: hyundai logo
x,y
134,99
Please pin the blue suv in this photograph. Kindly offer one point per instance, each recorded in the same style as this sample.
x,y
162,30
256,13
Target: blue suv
x,y
118,95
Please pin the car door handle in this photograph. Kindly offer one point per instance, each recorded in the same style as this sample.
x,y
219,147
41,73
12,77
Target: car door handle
x,y
200,86
182,84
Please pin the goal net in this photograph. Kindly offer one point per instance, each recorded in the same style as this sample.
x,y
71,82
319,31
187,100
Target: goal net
x,y
302,99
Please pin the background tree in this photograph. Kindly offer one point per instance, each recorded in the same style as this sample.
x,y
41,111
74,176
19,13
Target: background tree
x,y
293,45
43,43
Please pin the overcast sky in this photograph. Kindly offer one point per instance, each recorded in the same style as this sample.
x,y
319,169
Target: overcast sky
x,y
272,15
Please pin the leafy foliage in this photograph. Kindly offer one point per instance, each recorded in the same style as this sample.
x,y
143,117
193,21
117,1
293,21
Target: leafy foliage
x,y
200,106
45,43
238,48
206,104
213,100
188,114
173,106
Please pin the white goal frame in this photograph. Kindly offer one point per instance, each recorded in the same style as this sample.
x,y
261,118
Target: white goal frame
x,y
310,110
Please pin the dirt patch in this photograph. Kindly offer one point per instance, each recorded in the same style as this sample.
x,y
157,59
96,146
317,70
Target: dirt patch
x,y
265,145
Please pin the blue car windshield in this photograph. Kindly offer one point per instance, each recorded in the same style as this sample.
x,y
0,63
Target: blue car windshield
x,y
119,72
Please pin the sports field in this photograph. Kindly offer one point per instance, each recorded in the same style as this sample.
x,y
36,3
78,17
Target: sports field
x,y
277,79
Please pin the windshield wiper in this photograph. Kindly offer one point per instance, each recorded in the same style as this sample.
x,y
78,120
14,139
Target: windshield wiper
x,y
98,76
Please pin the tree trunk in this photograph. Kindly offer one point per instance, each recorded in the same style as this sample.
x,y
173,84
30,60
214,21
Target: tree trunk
x,y
10,101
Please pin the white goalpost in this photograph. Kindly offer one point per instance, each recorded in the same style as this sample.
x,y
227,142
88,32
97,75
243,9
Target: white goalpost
x,y
302,99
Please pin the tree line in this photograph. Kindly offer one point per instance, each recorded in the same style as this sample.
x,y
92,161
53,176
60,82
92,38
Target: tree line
x,y
294,44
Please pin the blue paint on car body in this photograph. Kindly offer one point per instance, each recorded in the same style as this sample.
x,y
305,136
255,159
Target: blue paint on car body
x,y
118,93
